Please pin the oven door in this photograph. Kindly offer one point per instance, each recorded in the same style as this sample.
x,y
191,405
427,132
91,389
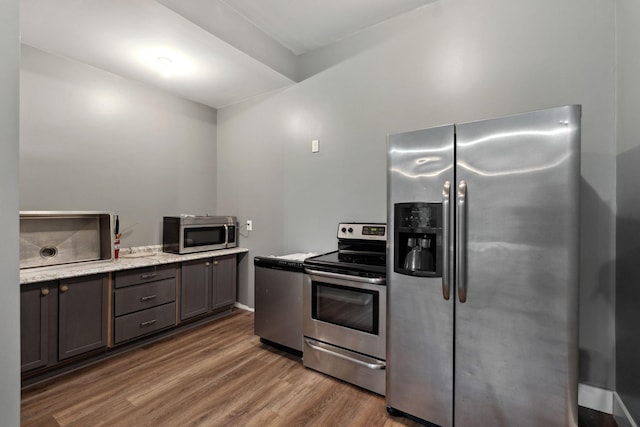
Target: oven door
x,y
198,238
346,311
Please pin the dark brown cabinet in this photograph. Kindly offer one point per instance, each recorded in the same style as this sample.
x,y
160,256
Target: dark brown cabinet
x,y
224,281
37,303
144,301
195,288
82,315
62,319
207,285
65,323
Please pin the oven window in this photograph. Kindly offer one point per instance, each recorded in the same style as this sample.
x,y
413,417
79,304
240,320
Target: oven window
x,y
203,236
350,307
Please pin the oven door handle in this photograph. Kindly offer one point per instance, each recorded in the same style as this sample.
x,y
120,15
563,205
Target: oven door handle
x,y
326,274
319,347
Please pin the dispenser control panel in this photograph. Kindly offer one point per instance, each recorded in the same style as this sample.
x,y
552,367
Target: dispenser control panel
x,y
418,239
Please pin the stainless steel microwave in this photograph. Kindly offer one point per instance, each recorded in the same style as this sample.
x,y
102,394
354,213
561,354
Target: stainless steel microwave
x,y
187,234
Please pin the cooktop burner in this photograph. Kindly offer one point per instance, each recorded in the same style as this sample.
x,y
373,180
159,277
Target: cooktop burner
x,y
331,262
361,251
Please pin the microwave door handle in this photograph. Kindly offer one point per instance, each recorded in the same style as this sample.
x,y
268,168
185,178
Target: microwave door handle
x,y
226,235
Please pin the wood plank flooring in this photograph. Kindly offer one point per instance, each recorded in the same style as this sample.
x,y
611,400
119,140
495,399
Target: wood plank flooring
x,y
215,375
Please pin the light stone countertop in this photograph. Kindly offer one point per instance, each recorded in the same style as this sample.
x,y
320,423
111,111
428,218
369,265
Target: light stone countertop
x,y
129,258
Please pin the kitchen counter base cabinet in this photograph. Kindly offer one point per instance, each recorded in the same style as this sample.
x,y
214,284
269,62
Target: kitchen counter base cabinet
x,y
64,322
195,288
207,285
38,324
82,315
224,282
144,301
142,275
144,322
136,298
62,319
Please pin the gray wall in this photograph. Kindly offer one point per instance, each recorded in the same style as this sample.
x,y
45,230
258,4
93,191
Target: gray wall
x,y
450,61
91,140
9,279
628,199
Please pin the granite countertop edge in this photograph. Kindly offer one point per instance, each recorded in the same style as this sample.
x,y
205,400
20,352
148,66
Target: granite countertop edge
x,y
43,274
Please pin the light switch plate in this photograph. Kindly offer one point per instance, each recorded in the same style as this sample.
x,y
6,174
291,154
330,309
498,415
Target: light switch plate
x,y
315,146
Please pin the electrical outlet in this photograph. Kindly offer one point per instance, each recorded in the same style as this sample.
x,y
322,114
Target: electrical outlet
x,y
249,225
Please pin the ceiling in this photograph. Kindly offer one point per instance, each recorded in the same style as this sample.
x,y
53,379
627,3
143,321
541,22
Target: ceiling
x,y
302,26
216,52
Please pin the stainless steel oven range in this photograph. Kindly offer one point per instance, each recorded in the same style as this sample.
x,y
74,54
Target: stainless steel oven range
x,y
345,306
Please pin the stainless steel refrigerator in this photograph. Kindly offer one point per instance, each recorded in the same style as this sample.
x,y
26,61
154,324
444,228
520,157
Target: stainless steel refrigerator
x,y
483,271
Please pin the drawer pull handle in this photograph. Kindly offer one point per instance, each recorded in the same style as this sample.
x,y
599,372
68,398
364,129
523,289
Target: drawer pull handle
x,y
44,292
147,298
148,275
148,323
64,288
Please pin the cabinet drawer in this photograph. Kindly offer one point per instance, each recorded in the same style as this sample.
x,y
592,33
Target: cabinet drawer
x,y
144,322
136,298
144,275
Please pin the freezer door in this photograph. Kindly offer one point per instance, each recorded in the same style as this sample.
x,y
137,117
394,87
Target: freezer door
x,y
419,377
516,333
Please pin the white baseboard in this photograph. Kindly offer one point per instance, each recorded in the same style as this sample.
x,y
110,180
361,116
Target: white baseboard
x,y
621,414
606,401
595,398
244,307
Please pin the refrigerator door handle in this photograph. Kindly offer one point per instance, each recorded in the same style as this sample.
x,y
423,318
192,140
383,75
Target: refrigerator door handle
x,y
461,246
446,235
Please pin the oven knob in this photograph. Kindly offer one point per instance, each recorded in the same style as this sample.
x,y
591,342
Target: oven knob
x,y
350,230
344,230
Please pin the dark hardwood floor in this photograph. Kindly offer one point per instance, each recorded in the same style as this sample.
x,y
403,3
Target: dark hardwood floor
x,y
591,418
215,375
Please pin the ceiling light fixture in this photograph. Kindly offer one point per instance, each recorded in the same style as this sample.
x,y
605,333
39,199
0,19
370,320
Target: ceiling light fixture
x,y
165,65
164,61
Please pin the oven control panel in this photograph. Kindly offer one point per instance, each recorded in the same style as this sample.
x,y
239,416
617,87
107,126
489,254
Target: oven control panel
x,y
362,231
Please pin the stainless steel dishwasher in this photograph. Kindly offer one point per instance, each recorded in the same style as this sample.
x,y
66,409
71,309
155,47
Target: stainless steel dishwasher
x,y
278,300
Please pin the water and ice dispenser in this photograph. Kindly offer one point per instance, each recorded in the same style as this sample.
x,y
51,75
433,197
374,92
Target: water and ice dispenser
x,y
418,239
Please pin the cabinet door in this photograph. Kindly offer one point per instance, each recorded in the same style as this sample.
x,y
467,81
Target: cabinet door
x,y
34,324
224,281
195,288
82,315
